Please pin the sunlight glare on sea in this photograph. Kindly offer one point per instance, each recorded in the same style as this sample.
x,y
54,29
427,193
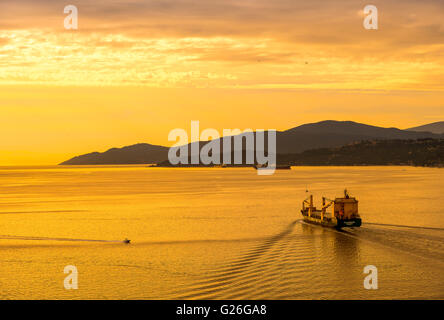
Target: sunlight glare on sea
x,y
222,233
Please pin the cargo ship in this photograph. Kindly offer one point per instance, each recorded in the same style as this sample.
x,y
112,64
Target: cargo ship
x,y
344,212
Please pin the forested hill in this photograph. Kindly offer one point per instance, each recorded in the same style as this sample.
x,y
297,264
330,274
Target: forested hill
x,y
421,152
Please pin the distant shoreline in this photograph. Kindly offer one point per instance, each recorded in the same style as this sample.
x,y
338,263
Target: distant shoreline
x,y
298,165
148,165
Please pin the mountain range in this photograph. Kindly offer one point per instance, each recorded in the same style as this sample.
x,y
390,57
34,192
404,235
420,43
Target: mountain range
x,y
140,153
435,127
324,134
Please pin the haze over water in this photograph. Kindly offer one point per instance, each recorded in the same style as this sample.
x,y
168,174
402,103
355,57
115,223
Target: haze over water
x,y
217,233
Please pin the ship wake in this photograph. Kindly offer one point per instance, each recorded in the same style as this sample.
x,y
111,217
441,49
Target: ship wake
x,y
288,264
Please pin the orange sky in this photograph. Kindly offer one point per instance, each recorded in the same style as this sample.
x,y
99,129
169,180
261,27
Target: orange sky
x,y
136,69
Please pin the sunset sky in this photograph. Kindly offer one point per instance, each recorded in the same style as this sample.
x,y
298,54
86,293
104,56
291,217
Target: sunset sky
x,y
136,69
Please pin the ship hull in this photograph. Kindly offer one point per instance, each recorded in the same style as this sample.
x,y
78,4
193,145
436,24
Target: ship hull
x,y
349,223
333,223
328,224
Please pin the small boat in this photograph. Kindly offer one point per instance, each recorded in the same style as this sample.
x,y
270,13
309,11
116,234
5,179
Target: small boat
x,y
344,212
127,241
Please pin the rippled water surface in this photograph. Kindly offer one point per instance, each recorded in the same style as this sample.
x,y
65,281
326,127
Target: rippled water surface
x,y
217,233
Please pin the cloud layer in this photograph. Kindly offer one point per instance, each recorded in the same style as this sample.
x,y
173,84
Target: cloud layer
x,y
224,43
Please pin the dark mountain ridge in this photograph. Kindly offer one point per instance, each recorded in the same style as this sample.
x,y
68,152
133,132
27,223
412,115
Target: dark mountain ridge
x,y
435,127
140,153
324,134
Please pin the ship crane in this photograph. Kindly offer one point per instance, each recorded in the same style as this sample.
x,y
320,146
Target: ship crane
x,y
309,202
325,204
